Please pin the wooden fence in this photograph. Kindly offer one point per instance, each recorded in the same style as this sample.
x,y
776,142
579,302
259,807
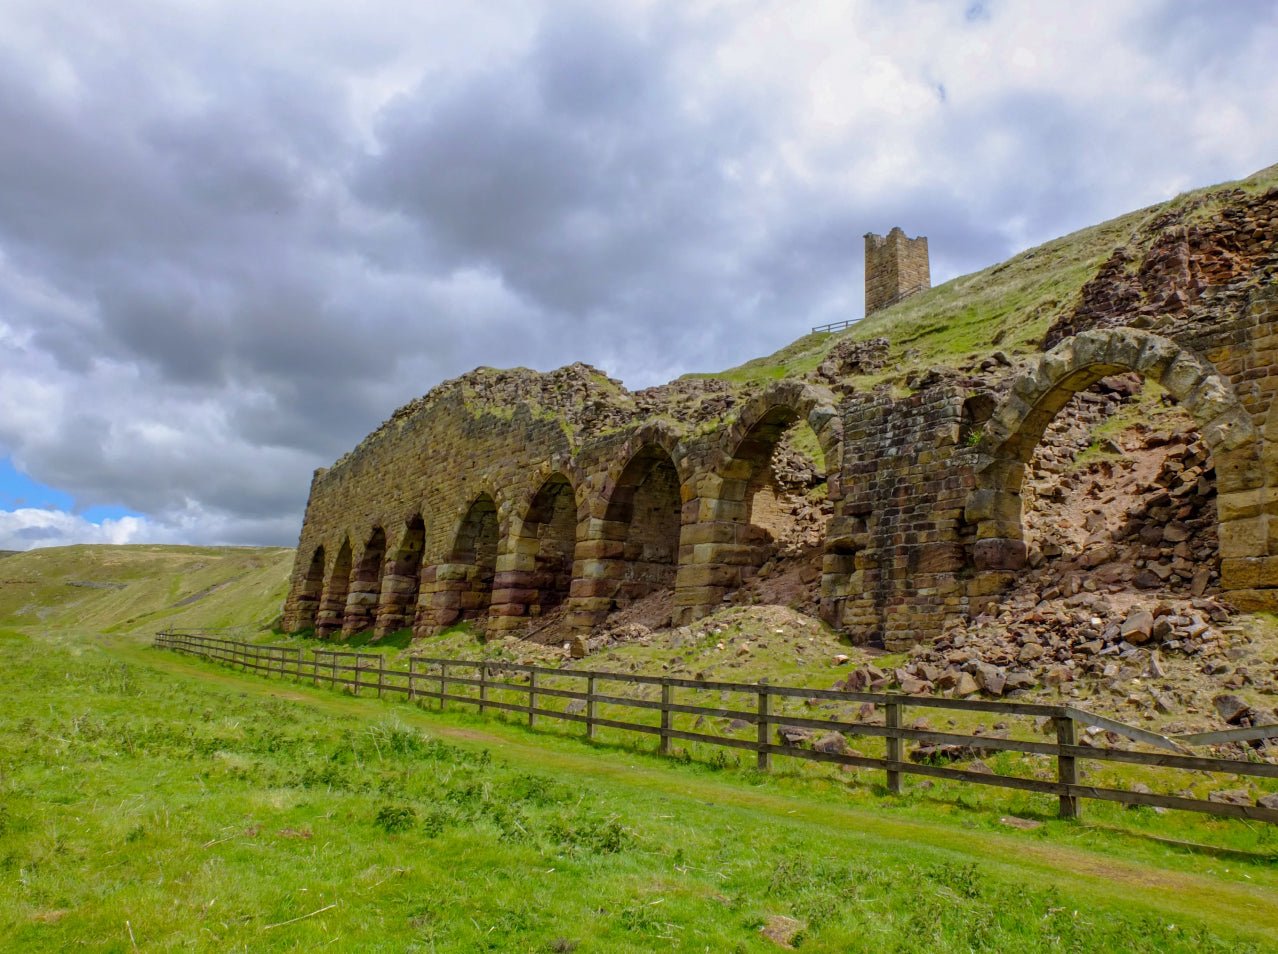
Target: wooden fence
x,y
490,685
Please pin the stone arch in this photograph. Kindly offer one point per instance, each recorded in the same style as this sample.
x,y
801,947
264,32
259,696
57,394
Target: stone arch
x,y
633,551
332,607
789,401
366,585
310,592
657,435
736,513
401,582
1016,426
535,569
464,583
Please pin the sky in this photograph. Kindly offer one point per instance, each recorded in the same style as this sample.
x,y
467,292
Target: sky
x,y
235,236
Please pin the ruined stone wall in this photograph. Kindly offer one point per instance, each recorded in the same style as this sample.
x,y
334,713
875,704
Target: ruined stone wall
x,y
900,546
505,495
895,266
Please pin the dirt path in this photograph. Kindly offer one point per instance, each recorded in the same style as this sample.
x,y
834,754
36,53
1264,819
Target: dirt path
x,y
1248,907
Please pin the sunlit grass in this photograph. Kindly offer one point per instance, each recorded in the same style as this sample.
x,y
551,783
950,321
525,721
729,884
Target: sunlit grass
x,y
148,798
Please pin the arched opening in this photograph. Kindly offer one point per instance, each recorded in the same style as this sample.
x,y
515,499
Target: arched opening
x,y
541,557
1120,493
1126,483
474,560
333,606
310,593
643,520
774,490
401,583
366,585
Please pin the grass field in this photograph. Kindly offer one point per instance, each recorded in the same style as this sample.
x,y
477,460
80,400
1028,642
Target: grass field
x,y
152,802
142,588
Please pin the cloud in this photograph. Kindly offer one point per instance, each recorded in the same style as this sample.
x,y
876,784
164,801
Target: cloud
x,y
27,528
233,238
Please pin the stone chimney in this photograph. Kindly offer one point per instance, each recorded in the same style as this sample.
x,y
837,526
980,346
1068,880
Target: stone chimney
x,y
895,268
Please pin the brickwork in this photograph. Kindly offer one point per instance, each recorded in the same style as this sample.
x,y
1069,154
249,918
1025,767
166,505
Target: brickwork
x,y
895,267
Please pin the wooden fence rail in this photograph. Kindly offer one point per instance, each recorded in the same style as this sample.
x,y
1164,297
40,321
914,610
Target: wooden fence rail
x,y
452,680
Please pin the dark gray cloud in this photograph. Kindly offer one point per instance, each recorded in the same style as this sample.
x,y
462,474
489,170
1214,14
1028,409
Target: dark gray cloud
x,y
234,238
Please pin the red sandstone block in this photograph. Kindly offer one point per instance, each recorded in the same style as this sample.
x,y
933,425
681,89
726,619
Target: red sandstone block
x,y
585,589
520,596
506,609
940,558
446,600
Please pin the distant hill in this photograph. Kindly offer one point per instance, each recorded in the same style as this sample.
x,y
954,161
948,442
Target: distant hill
x,y
125,589
1009,306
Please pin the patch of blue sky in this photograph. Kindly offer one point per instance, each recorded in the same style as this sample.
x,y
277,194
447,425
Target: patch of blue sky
x,y
18,491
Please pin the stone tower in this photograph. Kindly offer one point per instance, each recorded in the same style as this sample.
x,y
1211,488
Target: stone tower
x,y
895,268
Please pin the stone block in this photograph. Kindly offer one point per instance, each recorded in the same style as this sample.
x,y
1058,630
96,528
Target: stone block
x,y
713,574
999,554
1244,538
1255,601
599,550
940,558
718,531
1242,504
453,572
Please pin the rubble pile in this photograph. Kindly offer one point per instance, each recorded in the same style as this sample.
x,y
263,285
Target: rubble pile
x,y
1179,263
849,358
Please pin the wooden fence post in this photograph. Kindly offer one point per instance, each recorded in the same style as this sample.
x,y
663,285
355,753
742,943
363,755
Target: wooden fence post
x,y
895,748
412,678
483,688
590,708
667,717
381,675
765,757
359,665
1066,766
443,684
532,697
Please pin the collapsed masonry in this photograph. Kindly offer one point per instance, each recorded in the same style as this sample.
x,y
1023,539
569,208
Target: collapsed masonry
x,y
510,498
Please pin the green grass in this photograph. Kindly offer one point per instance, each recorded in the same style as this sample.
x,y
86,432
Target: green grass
x,y
144,588
152,799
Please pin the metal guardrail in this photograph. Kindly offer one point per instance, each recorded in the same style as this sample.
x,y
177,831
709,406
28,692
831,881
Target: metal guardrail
x,y
476,683
895,299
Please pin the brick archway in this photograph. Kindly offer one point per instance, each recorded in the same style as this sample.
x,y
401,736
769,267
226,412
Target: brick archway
x,y
1017,425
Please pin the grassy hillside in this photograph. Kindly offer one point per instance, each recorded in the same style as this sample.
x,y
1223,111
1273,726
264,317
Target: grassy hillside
x,y
152,802
140,589
1009,306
